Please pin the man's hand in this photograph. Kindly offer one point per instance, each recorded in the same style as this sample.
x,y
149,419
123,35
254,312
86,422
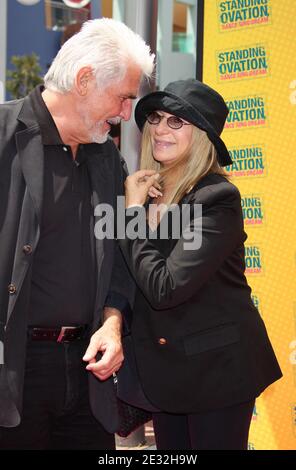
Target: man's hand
x,y
107,341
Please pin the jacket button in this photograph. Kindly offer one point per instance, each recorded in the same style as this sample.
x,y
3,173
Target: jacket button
x,y
27,249
162,341
12,289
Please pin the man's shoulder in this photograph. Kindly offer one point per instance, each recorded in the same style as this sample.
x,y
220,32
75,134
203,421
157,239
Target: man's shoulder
x,y
9,123
13,106
9,113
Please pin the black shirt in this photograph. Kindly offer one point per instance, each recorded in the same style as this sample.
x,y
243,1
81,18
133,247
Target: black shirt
x,y
63,276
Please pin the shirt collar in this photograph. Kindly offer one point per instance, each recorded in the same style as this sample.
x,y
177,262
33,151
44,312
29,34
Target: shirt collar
x,y
48,129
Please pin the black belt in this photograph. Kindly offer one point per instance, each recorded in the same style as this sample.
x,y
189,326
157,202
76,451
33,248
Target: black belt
x,y
62,334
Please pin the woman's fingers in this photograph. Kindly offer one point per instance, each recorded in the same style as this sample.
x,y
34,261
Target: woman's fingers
x,y
153,192
143,173
152,186
138,185
144,180
157,185
140,176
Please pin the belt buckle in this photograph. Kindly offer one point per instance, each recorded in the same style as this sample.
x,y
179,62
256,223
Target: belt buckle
x,y
63,333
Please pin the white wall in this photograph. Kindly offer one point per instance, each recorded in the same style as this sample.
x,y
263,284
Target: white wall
x,y
173,65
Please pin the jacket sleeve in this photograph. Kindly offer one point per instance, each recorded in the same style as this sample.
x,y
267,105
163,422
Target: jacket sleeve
x,y
168,282
122,286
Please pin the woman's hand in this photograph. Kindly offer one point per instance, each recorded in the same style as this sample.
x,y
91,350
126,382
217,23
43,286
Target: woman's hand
x,y
139,185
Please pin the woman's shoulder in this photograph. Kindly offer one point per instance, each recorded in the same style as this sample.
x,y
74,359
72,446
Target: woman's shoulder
x,y
214,188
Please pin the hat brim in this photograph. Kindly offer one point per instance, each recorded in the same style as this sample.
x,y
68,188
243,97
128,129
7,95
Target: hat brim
x,y
173,104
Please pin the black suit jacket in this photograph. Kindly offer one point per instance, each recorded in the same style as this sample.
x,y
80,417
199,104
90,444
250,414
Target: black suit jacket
x,y
21,193
200,343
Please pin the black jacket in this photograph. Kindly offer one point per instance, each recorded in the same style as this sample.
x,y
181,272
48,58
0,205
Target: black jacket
x,y
21,192
200,342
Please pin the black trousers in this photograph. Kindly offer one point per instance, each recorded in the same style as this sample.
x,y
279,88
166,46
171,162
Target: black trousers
x,y
56,411
225,429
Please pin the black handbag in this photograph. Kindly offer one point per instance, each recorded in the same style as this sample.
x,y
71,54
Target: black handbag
x,y
130,418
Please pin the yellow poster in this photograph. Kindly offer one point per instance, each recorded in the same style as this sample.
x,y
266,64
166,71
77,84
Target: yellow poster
x,y
250,58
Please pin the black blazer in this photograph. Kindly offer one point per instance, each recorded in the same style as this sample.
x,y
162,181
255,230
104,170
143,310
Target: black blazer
x,y
21,194
200,343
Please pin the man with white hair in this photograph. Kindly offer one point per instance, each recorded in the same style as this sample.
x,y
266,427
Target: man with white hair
x,y
62,290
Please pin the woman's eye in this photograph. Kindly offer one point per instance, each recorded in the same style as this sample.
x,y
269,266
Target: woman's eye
x,y
156,116
177,121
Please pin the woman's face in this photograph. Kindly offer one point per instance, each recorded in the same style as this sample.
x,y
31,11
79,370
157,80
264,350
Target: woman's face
x,y
169,145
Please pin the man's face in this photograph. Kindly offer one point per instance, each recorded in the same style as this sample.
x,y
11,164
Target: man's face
x,y
99,109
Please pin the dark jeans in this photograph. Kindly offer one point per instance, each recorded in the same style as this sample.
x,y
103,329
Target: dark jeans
x,y
56,411
225,429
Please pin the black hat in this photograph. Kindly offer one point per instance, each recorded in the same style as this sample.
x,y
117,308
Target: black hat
x,y
193,101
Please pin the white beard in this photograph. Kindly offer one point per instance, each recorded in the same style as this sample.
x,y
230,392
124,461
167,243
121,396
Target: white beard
x,y
98,137
96,134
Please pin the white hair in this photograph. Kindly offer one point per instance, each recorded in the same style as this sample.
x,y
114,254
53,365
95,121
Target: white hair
x,y
107,46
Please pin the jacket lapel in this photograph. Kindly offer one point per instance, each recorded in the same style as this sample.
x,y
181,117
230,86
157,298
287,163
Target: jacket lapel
x,y
31,156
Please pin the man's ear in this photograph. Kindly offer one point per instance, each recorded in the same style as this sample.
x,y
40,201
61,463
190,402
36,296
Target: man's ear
x,y
83,80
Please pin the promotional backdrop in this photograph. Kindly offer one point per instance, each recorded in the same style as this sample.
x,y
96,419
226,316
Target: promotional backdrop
x,y
249,56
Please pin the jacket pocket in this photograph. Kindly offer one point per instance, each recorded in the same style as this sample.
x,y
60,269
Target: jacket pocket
x,y
217,337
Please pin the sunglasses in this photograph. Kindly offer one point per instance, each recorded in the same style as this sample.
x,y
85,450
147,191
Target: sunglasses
x,y
173,122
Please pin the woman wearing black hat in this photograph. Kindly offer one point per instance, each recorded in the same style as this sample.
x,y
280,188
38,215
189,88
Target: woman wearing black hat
x,y
201,347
